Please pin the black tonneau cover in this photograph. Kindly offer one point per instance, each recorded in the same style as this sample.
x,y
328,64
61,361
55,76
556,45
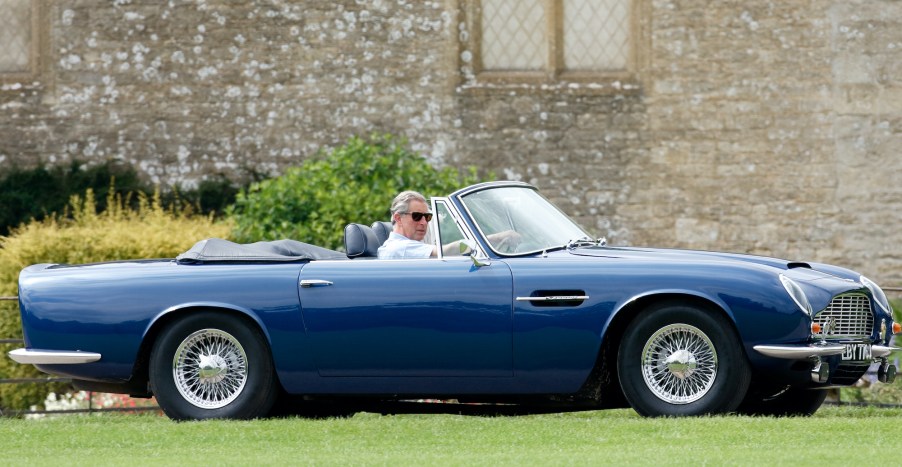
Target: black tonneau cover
x,y
219,250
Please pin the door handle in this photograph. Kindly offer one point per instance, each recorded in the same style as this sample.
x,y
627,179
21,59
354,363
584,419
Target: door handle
x,y
307,283
553,298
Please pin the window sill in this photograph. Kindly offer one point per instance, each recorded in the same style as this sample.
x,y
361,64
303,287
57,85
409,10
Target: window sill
x,y
573,83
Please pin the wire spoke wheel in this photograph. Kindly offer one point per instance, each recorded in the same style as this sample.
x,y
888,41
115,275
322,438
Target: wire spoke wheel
x,y
210,368
681,359
208,364
679,364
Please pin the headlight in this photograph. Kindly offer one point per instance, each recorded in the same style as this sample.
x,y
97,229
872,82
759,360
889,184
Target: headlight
x,y
878,294
796,293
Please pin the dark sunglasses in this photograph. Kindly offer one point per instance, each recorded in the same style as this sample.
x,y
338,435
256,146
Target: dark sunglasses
x,y
416,216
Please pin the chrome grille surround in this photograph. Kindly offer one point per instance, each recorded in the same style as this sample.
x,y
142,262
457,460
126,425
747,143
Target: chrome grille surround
x,y
847,316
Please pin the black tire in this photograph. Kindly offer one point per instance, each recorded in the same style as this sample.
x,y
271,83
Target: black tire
x,y
707,373
235,379
793,402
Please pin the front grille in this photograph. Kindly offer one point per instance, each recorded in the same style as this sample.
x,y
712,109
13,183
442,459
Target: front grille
x,y
847,316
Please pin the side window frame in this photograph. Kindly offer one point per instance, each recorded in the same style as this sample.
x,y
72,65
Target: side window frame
x,y
435,228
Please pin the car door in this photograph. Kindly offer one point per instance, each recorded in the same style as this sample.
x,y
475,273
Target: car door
x,y
417,317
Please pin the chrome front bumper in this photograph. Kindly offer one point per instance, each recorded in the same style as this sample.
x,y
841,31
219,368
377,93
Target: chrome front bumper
x,y
820,370
52,357
802,352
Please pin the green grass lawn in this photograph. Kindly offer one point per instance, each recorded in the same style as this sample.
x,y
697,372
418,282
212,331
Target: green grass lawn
x,y
834,436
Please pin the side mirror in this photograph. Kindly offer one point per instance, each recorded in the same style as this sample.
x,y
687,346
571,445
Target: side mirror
x,y
468,248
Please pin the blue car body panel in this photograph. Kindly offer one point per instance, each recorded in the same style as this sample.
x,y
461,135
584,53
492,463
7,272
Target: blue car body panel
x,y
417,318
402,319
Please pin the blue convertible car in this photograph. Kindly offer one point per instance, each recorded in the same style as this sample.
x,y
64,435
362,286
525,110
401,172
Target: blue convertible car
x,y
550,317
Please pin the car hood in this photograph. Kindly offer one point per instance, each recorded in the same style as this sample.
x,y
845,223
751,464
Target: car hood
x,y
801,270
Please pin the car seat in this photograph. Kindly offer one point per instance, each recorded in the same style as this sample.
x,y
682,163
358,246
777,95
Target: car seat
x,y
361,241
382,230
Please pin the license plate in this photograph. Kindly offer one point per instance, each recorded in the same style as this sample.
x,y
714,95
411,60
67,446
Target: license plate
x,y
857,352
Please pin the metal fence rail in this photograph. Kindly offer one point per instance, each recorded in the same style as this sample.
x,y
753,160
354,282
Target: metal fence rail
x,y
10,341
92,408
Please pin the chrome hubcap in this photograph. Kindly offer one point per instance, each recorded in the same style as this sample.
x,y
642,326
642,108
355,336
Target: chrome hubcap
x,y
679,364
210,368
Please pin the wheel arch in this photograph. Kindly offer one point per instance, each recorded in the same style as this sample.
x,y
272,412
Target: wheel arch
x,y
141,371
603,381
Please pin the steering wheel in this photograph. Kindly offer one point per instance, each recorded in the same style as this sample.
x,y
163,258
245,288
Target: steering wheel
x,y
509,243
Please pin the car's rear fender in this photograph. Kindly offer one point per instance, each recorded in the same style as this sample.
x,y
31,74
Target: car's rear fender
x,y
173,314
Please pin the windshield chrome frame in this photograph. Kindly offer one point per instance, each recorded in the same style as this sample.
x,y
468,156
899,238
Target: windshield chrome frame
x,y
461,194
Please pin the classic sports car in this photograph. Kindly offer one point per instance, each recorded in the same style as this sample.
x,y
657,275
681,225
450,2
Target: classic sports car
x,y
555,318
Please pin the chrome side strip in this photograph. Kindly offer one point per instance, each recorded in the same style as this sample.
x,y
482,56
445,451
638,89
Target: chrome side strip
x,y
52,357
553,298
799,352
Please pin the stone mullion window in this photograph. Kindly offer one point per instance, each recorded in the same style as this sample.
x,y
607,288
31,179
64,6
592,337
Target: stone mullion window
x,y
552,40
20,35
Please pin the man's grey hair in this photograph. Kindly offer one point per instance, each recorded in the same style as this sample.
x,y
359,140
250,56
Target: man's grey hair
x,y
401,203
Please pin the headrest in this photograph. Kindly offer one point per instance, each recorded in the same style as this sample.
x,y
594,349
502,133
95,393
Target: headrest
x,y
360,240
382,230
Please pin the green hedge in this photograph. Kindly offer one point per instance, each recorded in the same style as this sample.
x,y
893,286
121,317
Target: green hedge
x,y
353,183
119,232
40,192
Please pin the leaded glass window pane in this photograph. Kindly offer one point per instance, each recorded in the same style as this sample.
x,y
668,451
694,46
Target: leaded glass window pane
x,y
596,34
15,35
513,35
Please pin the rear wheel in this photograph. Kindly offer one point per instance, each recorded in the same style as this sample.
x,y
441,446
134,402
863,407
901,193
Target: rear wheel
x,y
677,359
210,365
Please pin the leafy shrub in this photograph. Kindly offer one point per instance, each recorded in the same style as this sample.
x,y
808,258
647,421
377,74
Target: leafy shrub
x,y
120,232
353,183
212,196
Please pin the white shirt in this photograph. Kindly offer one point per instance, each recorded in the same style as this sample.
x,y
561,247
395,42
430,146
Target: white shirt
x,y
398,246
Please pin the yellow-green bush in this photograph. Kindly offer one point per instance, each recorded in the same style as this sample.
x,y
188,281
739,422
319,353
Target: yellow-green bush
x,y
148,231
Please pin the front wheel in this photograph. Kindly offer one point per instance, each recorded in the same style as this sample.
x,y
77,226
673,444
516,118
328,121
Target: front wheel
x,y
677,360
210,365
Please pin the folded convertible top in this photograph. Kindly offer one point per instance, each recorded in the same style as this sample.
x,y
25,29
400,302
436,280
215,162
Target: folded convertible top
x,y
219,250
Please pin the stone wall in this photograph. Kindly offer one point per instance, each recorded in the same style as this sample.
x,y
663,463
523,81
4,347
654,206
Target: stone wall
x,y
749,125
773,126
185,89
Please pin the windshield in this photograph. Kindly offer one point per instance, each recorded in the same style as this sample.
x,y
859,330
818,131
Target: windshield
x,y
518,220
